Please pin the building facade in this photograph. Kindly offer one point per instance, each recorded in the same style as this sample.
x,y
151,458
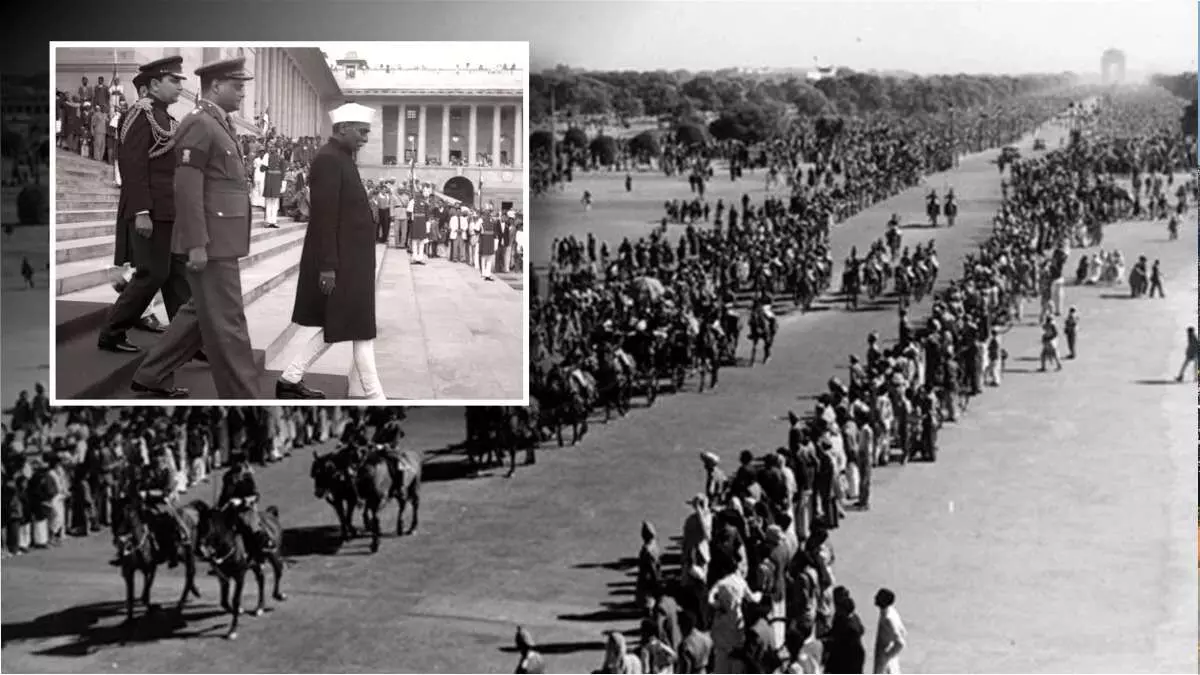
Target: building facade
x,y
293,87
1112,66
461,129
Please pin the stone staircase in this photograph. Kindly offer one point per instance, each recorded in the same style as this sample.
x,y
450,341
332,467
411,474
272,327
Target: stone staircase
x,y
84,242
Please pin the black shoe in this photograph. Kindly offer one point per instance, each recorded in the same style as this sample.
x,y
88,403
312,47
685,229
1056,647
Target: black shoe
x,y
150,324
287,390
200,356
174,392
117,344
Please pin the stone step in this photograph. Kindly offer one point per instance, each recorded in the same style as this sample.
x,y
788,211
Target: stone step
x,y
95,193
72,277
84,215
73,248
104,203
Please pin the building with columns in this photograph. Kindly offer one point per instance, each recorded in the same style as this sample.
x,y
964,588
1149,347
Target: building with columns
x,y
292,85
462,129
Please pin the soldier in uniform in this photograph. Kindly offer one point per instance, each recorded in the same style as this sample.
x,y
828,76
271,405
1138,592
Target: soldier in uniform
x,y
156,491
420,218
336,288
239,492
146,210
212,226
272,185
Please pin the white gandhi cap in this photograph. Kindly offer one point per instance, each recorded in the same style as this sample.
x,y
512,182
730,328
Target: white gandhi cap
x,y
352,112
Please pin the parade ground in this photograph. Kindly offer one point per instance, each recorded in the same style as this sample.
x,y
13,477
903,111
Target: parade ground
x,y
1053,534
26,326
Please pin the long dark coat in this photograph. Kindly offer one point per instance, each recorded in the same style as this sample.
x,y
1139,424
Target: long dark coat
x,y
340,237
147,183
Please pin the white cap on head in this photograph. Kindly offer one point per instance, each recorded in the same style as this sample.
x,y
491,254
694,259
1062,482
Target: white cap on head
x,y
352,112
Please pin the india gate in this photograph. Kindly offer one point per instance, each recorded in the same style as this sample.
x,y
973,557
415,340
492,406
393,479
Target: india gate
x,y
458,128
1112,66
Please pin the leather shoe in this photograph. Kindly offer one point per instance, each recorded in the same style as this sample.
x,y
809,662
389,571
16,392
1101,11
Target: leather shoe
x,y
174,392
150,324
117,344
287,390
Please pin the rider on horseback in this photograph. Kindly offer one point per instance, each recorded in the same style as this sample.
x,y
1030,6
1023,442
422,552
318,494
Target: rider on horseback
x,y
239,496
156,494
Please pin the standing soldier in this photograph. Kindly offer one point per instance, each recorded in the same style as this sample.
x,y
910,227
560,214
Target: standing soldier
x,y
213,228
272,185
420,213
146,210
336,288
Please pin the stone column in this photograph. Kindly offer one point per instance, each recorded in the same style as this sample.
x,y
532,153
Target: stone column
x,y
421,136
275,87
445,156
473,135
496,135
518,158
402,130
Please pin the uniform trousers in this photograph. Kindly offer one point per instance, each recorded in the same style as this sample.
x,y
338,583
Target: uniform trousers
x,y
214,319
157,270
364,376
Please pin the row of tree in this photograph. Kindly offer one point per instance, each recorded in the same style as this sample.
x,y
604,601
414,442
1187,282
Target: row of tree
x,y
682,95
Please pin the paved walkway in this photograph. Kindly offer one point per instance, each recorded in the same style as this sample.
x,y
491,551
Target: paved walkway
x,y
25,336
1052,535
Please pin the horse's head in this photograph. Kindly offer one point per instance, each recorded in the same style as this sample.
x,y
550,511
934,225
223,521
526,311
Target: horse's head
x,y
325,473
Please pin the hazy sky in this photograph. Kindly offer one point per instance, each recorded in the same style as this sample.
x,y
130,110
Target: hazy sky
x,y
432,54
935,36
946,36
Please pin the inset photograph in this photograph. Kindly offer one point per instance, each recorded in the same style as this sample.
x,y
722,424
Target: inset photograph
x,y
322,221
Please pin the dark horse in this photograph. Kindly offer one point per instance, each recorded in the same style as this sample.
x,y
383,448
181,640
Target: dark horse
x,y
573,398
376,485
333,481
139,550
614,379
762,329
222,544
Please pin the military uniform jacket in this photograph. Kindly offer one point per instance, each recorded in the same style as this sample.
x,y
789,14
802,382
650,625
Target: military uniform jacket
x,y
212,198
239,484
147,162
340,238
419,216
273,180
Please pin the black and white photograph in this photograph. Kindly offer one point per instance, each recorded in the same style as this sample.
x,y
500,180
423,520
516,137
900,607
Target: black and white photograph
x,y
342,221
857,337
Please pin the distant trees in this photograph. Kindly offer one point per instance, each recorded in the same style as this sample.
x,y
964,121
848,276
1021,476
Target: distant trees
x,y
604,150
684,96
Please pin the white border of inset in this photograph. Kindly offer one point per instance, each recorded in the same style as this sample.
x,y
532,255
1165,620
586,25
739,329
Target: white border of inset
x,y
53,255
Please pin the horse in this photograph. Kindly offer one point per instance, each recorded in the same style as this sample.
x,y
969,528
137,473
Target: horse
x,y
376,485
221,542
520,428
709,348
763,326
731,327
333,481
645,347
614,378
138,550
951,212
574,396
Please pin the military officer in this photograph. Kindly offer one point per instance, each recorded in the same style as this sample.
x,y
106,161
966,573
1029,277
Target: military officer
x,y
239,494
212,226
146,209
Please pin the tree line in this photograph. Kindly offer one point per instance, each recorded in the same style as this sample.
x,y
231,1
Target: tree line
x,y
681,95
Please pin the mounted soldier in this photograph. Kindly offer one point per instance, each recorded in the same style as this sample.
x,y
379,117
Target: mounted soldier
x,y
156,495
239,498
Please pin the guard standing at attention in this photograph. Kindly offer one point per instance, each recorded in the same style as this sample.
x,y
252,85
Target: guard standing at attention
x,y
146,210
212,226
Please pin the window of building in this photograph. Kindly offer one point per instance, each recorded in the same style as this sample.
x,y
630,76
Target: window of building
x,y
456,113
410,114
350,70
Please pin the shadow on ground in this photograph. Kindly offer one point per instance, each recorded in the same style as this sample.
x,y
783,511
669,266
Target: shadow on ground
x,y
83,625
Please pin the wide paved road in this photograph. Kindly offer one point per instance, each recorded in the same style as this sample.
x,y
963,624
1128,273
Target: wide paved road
x,y
1053,534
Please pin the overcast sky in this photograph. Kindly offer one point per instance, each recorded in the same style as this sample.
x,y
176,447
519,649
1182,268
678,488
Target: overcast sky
x,y
432,54
925,37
